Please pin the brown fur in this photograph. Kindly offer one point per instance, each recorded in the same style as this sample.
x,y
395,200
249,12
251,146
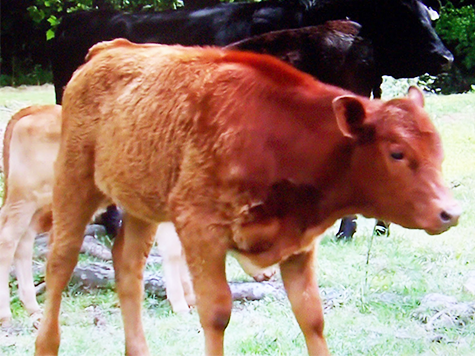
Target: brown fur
x,y
45,126
241,152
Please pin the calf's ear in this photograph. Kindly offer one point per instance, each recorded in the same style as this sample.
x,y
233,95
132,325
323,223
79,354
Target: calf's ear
x,y
350,115
416,95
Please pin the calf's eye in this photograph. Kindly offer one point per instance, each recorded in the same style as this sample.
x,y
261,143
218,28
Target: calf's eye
x,y
397,155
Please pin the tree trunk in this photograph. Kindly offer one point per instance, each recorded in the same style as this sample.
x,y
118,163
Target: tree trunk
x,y
98,275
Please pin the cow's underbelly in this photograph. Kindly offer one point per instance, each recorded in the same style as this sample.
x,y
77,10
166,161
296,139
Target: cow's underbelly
x,y
143,201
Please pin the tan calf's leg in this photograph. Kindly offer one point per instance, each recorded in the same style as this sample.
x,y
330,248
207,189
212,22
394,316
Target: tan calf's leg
x,y
14,220
302,290
175,269
130,252
186,282
75,203
24,273
205,252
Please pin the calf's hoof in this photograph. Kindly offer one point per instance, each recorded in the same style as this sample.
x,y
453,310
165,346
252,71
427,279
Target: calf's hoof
x,y
35,319
5,324
180,307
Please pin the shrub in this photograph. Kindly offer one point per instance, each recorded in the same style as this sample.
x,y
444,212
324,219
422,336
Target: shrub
x,y
456,27
26,74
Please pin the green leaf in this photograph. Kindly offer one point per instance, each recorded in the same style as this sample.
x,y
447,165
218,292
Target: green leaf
x,y
53,21
49,34
36,14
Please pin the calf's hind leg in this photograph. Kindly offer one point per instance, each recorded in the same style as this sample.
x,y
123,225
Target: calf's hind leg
x,y
24,272
74,202
14,220
130,252
175,270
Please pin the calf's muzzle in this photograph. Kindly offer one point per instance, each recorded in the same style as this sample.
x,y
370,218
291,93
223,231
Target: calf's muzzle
x,y
450,216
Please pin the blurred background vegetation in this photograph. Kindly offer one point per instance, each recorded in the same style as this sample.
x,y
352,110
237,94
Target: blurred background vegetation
x,y
28,25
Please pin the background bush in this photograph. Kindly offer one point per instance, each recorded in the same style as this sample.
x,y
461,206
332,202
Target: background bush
x,y
456,27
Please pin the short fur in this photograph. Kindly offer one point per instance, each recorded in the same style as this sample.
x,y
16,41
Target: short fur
x,y
31,137
241,152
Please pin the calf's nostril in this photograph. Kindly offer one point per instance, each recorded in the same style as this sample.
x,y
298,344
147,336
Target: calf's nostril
x,y
451,215
445,216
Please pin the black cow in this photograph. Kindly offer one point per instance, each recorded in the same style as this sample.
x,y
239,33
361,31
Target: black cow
x,y
404,42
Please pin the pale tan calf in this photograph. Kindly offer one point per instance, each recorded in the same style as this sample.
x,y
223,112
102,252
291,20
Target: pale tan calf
x,y
30,147
240,151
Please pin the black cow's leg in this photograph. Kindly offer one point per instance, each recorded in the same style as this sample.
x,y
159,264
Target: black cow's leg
x,y
377,89
111,219
347,228
381,228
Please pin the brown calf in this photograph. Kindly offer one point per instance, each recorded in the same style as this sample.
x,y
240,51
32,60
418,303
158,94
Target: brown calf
x,y
241,152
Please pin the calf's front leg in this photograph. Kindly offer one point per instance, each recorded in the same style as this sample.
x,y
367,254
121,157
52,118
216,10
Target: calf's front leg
x,y
62,258
301,285
205,250
72,212
130,252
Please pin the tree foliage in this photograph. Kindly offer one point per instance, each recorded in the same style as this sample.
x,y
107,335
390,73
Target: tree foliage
x,y
52,10
27,25
456,27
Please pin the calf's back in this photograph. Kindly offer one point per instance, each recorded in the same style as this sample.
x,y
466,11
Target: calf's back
x,y
241,131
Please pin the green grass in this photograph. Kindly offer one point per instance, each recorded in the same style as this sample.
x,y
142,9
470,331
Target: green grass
x,y
13,99
370,309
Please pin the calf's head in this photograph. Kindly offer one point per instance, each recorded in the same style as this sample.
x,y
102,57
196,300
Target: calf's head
x,y
396,162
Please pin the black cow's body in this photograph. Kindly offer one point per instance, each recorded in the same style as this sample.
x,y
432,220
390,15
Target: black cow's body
x,y
404,42
334,53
